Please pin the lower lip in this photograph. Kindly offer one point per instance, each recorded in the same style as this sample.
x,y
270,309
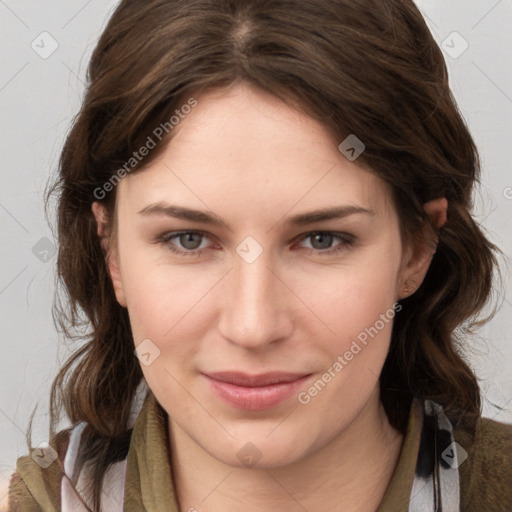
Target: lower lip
x,y
256,398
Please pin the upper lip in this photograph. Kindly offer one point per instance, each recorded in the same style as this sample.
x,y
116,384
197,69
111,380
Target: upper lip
x,y
263,379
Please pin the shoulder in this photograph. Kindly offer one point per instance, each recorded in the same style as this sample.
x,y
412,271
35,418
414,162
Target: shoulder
x,y
486,472
35,484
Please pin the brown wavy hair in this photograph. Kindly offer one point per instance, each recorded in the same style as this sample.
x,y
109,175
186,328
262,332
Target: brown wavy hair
x,y
370,68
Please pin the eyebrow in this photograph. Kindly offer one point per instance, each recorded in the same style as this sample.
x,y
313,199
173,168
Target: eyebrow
x,y
302,219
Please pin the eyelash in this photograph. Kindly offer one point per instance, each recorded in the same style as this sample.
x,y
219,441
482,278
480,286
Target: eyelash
x,y
346,239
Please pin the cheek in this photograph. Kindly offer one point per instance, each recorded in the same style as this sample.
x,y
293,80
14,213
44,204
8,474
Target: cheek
x,y
168,304
359,309
165,306
160,300
351,298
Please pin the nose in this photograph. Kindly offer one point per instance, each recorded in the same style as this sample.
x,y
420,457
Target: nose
x,y
256,310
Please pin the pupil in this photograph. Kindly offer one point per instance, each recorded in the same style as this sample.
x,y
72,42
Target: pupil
x,y
323,239
188,242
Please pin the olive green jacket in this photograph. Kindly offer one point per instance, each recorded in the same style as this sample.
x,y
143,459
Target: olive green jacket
x,y
485,476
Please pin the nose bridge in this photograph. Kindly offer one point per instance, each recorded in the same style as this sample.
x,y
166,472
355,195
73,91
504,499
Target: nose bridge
x,y
254,313
253,283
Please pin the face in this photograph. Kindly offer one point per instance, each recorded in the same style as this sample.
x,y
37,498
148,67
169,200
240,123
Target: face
x,y
252,322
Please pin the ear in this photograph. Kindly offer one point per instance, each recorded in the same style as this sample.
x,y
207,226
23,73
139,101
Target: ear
x,y
109,249
418,257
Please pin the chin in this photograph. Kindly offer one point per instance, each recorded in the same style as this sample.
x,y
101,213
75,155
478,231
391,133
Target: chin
x,y
250,456
259,451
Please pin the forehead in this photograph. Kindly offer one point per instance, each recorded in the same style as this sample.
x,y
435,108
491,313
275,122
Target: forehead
x,y
244,148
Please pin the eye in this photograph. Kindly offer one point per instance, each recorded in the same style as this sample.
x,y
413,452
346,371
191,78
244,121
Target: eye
x,y
189,241
322,240
192,243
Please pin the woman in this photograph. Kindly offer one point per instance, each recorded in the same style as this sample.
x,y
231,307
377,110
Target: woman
x,y
269,202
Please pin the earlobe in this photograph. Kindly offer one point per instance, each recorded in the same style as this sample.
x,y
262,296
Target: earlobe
x,y
423,251
110,252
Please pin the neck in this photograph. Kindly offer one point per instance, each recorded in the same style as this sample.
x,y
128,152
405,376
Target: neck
x,y
351,473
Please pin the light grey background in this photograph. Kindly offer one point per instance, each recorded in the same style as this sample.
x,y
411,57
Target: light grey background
x,y
38,98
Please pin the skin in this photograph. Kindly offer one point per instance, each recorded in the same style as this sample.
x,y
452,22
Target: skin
x,y
245,156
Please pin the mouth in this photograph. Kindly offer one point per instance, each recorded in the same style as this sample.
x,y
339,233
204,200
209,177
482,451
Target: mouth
x,y
255,392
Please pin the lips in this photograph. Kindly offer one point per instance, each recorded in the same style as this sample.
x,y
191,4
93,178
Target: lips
x,y
255,392
246,380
